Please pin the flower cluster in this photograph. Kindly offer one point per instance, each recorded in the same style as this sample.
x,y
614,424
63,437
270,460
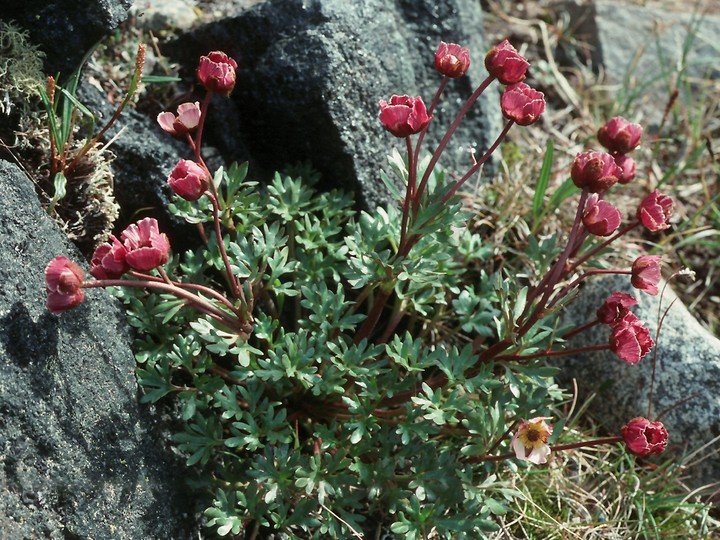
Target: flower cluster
x,y
141,247
280,282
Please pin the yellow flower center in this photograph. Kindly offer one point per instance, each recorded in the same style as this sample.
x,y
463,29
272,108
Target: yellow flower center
x,y
534,435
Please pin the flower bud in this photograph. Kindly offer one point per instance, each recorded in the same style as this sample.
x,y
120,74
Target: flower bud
x,y
655,211
530,442
627,168
146,247
629,339
595,171
615,307
522,104
216,72
189,180
108,261
186,121
404,115
619,135
505,64
643,437
452,60
600,218
63,281
646,273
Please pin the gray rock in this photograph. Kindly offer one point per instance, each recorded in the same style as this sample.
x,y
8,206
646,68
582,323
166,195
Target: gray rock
x,y
66,29
79,458
312,72
161,15
647,46
687,381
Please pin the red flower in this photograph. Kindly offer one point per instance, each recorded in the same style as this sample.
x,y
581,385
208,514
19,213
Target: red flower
x,y
452,60
404,115
600,218
615,307
522,104
186,121
643,437
189,180
595,171
108,261
646,273
216,72
655,211
619,135
505,64
627,166
146,247
63,280
629,339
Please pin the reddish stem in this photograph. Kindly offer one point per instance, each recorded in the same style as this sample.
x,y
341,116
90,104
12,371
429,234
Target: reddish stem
x,y
451,130
555,448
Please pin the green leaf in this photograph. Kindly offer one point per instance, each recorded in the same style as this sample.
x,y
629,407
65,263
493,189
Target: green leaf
x,y
60,190
542,183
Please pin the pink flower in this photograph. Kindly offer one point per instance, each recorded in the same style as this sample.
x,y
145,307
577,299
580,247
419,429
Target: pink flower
x,y
619,135
522,104
108,261
146,247
595,171
505,64
452,60
643,437
655,211
615,307
646,273
63,280
600,218
189,180
216,72
404,115
629,339
530,442
627,166
186,121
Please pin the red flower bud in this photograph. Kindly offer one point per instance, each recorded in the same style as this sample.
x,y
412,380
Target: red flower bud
x,y
655,211
146,247
108,261
189,180
643,437
619,135
404,115
600,218
505,64
595,171
646,273
186,121
63,281
216,72
452,60
629,339
522,104
615,307
627,168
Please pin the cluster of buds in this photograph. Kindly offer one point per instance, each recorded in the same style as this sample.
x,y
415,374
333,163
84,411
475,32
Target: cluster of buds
x,y
141,248
138,256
